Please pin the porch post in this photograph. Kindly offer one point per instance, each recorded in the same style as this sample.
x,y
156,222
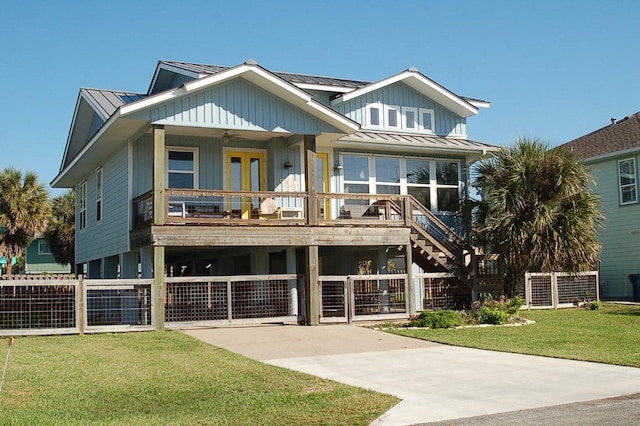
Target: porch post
x,y
293,284
159,169
311,181
411,289
311,282
159,287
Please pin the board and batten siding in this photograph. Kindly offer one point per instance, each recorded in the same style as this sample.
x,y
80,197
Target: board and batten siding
x,y
399,94
620,236
237,104
110,236
212,161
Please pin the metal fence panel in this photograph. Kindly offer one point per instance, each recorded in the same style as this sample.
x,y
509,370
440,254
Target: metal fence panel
x,y
118,305
560,289
333,299
378,296
444,291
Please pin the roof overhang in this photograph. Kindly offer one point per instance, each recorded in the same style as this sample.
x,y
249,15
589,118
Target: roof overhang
x,y
422,84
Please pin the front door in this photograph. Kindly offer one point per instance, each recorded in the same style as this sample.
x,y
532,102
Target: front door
x,y
245,172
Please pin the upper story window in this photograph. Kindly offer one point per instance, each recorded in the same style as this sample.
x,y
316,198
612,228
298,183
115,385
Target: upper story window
x,y
391,117
627,181
43,247
374,115
427,121
182,168
82,202
99,195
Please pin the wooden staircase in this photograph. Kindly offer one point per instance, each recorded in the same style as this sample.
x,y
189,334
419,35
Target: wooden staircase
x,y
436,247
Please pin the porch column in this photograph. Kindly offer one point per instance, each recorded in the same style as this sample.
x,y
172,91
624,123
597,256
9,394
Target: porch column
x,y
129,265
382,269
293,284
411,286
311,281
311,181
146,261
159,172
159,287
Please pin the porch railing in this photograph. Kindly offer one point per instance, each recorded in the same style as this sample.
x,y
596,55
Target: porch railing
x,y
187,206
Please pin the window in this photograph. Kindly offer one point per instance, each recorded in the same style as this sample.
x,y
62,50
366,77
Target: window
x,y
99,195
393,117
182,168
410,118
447,186
43,247
434,183
374,115
627,181
427,120
82,197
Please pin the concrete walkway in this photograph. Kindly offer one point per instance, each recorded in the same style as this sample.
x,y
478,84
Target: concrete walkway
x,y
435,382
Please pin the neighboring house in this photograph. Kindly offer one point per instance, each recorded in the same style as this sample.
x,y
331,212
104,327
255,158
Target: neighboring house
x,y
613,155
240,171
40,260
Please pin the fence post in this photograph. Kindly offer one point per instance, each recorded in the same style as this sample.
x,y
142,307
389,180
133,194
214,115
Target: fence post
x,y
527,289
81,305
554,290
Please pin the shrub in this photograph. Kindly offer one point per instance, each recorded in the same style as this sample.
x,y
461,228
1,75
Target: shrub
x,y
593,305
442,318
492,311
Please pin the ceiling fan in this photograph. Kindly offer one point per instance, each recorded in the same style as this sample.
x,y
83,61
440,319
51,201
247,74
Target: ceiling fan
x,y
227,137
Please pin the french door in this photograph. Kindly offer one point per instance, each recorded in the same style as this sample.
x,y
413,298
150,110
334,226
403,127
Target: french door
x,y
245,172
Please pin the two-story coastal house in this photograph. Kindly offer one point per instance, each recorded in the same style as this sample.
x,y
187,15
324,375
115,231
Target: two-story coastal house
x,y
240,171
612,154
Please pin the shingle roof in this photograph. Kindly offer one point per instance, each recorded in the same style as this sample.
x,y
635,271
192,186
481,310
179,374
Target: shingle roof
x,y
291,78
106,102
620,136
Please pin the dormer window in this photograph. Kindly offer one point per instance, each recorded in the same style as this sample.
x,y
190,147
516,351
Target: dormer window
x,y
374,115
393,116
427,120
410,118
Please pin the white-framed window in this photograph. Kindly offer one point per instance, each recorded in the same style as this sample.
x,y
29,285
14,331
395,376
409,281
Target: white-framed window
x,y
99,195
627,181
427,120
182,167
410,119
392,118
43,247
82,202
435,183
375,115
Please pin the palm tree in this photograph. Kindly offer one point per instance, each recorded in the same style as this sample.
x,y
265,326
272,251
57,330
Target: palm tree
x,y
537,211
60,233
24,211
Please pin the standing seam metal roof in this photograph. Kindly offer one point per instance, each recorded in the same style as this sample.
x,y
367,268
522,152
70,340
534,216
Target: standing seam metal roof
x,y
416,140
106,102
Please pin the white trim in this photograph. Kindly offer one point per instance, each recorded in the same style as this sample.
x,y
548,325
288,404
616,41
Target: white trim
x,y
610,155
324,88
195,171
416,121
633,185
432,126
82,198
387,117
422,84
380,107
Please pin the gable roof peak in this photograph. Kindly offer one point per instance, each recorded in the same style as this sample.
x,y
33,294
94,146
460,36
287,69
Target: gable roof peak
x,y
251,62
412,69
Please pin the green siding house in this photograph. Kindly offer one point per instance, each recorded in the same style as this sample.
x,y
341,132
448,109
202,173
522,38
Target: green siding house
x,y
39,260
613,153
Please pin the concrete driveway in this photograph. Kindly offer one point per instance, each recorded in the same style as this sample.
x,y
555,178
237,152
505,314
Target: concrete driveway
x,y
435,382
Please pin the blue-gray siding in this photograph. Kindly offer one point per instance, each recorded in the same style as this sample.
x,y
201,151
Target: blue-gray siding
x,y
110,236
399,94
237,104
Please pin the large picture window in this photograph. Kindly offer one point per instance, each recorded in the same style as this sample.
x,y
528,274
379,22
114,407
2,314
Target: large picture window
x,y
627,180
434,183
182,168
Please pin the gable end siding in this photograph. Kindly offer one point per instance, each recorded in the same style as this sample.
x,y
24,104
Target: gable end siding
x,y
237,104
399,94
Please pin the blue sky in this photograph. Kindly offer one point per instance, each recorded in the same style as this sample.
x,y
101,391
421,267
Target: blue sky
x,y
552,69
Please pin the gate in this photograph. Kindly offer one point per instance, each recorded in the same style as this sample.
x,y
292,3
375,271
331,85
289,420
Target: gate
x,y
363,297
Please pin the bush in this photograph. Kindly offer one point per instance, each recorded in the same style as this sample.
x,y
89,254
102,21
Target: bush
x,y
442,318
492,311
594,305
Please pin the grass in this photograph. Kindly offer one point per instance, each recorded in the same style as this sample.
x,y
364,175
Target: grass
x,y
609,335
166,378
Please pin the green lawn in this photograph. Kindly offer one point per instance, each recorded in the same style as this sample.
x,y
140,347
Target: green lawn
x,y
610,335
166,378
